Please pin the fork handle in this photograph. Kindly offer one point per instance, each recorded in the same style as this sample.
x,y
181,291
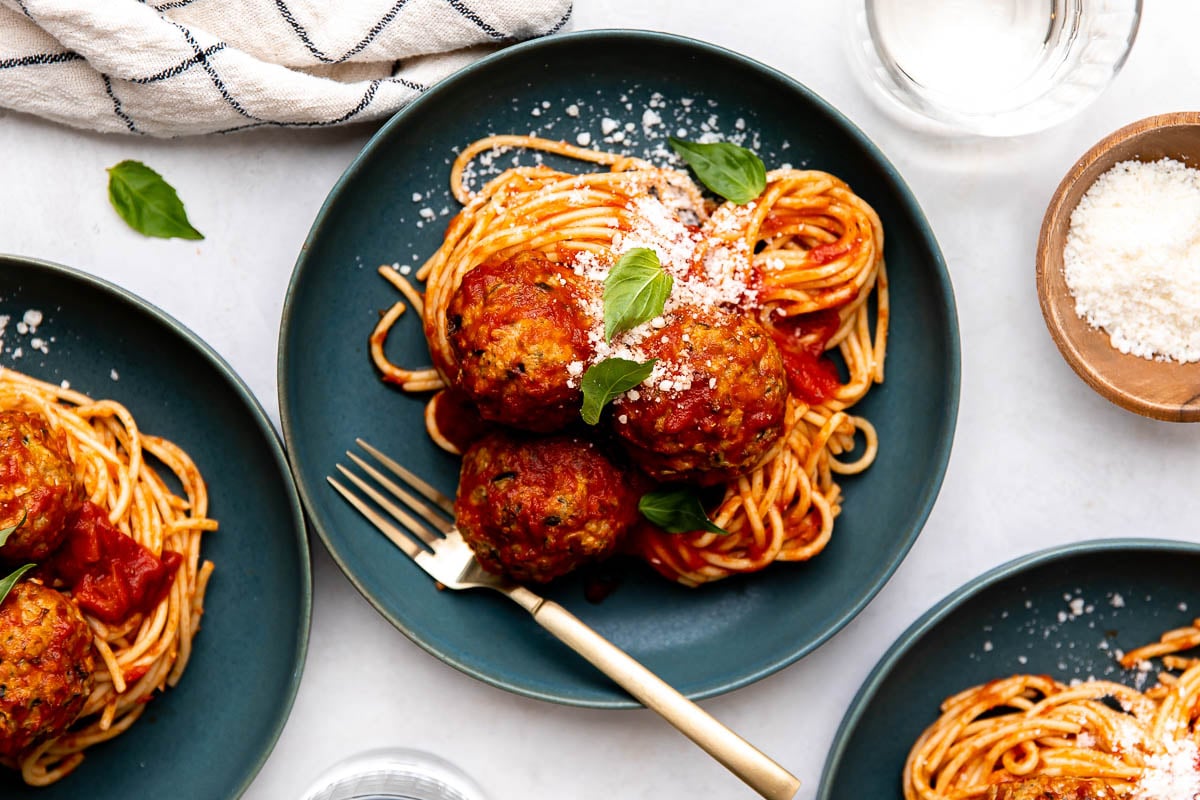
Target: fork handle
x,y
740,757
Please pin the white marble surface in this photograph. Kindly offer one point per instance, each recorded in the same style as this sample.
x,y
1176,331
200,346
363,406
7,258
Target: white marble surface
x,y
1039,459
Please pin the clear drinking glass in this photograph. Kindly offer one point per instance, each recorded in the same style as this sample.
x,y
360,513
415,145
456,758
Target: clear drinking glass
x,y
394,774
989,67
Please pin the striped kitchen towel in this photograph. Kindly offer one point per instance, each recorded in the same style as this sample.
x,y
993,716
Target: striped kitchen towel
x,y
181,67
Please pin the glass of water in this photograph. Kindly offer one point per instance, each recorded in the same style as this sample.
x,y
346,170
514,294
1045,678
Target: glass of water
x,y
989,67
394,774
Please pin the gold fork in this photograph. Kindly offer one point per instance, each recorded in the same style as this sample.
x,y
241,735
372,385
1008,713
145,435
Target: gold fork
x,y
450,561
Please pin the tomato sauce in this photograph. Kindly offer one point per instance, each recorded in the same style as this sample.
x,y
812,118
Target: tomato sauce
x,y
670,554
824,253
457,419
109,574
600,581
812,376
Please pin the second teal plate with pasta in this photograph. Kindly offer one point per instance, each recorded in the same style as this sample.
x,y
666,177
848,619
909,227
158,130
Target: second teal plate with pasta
x,y
392,207
208,736
1064,612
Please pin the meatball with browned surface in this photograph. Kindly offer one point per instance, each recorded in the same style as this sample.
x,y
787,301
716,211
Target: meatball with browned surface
x,y
516,328
38,488
46,666
1053,788
718,406
536,508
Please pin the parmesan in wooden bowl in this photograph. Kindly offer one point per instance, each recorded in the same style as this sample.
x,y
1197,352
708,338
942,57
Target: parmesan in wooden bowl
x,y
1118,267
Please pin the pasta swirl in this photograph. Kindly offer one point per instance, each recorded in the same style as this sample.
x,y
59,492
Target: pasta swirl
x,y
813,248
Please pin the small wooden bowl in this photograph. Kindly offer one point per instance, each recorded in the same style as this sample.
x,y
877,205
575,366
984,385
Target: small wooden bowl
x,y
1163,390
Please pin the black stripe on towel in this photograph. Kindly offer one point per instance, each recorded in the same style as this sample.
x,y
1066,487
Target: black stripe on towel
x,y
173,5
558,26
358,109
306,40
182,66
213,75
120,112
469,13
39,60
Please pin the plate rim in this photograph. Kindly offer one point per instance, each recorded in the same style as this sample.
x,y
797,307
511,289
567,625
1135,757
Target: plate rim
x,y
924,230
258,414
951,602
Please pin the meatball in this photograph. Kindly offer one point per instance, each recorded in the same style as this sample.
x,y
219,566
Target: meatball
x,y
515,328
718,407
37,483
46,666
1053,788
535,508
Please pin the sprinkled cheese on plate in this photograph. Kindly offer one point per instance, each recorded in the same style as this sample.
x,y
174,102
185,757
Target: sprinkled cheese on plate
x,y
1132,258
1171,774
707,272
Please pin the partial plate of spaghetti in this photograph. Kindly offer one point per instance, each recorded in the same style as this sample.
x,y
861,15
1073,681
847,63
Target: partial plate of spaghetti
x,y
168,572
1072,673
579,156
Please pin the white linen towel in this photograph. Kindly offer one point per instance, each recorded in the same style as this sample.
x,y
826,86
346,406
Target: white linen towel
x,y
180,67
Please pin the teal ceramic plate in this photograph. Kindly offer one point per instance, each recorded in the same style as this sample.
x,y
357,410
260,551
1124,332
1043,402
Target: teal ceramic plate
x,y
392,206
1061,612
208,737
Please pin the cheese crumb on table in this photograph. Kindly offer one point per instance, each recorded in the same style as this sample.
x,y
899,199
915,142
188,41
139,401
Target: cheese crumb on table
x,y
1132,259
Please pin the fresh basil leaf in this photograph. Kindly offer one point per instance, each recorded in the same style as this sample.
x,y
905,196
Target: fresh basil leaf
x,y
7,583
147,202
733,172
677,511
604,381
11,529
635,290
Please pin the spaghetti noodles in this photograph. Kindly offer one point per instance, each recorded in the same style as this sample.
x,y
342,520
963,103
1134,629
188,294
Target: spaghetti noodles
x,y
805,258
1141,745
146,652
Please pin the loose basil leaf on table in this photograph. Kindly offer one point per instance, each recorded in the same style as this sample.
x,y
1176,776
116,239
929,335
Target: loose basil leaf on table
x,y
7,583
733,172
607,379
677,510
147,202
635,291
11,529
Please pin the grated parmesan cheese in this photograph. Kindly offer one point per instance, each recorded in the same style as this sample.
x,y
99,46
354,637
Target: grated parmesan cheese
x,y
1171,774
26,326
657,224
1132,259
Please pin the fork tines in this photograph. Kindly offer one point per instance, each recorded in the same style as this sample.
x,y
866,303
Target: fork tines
x,y
439,516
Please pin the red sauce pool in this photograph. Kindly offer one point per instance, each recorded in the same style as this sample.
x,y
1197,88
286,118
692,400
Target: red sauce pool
x,y
109,574
812,375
